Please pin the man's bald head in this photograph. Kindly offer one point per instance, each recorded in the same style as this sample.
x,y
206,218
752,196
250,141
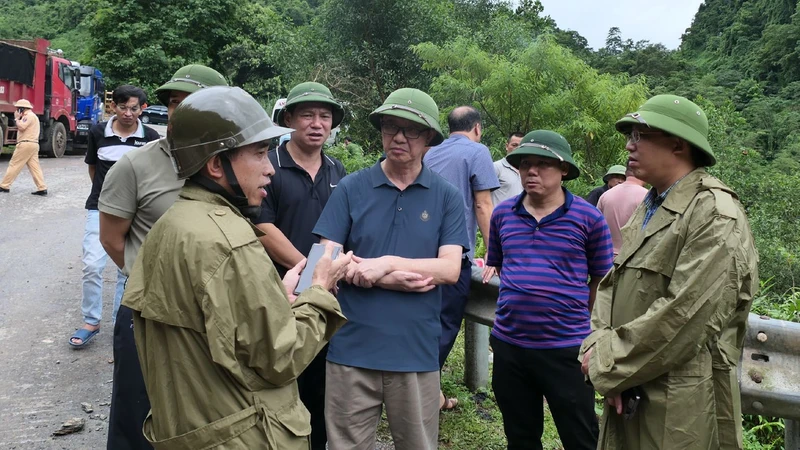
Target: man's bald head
x,y
465,120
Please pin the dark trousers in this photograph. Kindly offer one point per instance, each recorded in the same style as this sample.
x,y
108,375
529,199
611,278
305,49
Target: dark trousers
x,y
454,301
311,384
522,376
129,402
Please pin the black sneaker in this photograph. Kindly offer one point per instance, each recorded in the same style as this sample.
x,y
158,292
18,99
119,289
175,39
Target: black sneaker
x,y
42,192
5,190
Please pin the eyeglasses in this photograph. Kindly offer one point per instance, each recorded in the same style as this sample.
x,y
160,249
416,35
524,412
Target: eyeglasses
x,y
390,129
132,109
635,135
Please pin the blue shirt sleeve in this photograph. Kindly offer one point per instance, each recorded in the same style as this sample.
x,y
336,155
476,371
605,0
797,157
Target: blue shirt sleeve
x,y
335,221
599,249
482,174
453,230
494,254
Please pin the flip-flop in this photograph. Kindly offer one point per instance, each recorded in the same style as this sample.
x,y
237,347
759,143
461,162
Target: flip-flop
x,y
84,335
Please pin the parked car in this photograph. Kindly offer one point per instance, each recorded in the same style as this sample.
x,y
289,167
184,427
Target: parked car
x,y
154,114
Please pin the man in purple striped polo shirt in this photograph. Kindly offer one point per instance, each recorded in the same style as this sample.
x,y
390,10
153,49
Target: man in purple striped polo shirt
x,y
551,250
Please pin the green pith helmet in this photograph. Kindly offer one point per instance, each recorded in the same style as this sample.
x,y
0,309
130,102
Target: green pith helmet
x,y
190,79
312,92
677,116
215,120
614,170
547,144
411,104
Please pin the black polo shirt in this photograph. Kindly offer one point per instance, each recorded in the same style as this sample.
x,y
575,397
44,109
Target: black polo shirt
x,y
104,147
294,201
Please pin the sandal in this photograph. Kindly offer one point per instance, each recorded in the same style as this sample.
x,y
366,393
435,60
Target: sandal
x,y
84,335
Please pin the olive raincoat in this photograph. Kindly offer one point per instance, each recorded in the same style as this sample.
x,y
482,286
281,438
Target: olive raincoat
x,y
670,317
219,343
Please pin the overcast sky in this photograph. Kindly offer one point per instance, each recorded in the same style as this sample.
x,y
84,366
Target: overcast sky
x,y
661,21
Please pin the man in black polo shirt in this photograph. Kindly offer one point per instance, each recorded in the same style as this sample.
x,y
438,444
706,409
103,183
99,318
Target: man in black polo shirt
x,y
304,179
107,142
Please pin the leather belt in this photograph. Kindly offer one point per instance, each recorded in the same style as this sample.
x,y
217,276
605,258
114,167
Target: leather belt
x,y
27,140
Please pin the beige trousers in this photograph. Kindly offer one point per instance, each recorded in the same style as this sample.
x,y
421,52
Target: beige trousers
x,y
353,402
26,153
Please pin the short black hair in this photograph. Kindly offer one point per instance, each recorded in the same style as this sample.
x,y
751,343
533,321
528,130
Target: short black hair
x,y
123,93
518,134
463,118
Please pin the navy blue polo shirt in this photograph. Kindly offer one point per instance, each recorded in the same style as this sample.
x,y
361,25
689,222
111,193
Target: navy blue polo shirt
x,y
391,330
294,201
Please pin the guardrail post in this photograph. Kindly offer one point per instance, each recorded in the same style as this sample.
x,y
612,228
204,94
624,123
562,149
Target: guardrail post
x,y
476,355
792,434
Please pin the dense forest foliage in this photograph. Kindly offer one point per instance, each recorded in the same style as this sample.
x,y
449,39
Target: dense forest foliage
x,y
739,59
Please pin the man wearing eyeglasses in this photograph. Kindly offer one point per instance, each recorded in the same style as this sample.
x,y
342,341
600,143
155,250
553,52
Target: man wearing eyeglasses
x,y
406,227
107,142
546,243
669,324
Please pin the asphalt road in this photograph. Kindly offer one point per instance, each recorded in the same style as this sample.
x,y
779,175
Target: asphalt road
x,y
44,379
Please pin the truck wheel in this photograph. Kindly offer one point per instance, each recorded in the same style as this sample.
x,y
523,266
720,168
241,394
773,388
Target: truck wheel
x,y
56,143
145,119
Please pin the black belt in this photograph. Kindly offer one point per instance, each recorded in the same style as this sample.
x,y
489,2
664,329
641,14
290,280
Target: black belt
x,y
465,262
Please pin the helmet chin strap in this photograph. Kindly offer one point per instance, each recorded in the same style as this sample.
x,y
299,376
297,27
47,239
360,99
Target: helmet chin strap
x,y
238,199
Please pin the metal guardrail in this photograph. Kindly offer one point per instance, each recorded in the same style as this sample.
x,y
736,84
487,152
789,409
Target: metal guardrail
x,y
769,369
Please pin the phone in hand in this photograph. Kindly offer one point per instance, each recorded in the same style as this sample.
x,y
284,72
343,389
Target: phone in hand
x,y
630,401
317,250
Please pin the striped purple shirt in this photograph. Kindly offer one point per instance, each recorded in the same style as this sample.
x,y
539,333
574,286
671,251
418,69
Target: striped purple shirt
x,y
544,291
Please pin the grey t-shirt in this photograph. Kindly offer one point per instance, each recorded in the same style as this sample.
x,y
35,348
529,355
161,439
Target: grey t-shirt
x,y
140,187
510,183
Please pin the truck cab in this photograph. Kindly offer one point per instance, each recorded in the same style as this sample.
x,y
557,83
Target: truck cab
x,y
90,104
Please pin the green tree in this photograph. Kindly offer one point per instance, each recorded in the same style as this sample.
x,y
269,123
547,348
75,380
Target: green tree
x,y
543,86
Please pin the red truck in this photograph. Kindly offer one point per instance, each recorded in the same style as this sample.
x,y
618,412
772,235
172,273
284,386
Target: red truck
x,y
30,70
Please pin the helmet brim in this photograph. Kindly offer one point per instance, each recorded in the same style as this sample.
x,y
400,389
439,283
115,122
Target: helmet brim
x,y
514,158
336,108
182,86
416,117
669,125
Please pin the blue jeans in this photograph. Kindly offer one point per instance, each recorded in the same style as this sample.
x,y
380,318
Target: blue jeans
x,y
94,262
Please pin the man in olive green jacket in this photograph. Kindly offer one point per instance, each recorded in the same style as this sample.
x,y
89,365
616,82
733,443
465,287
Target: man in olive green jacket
x,y
669,319
221,338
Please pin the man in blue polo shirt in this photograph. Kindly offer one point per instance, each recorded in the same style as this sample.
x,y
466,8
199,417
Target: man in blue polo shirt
x,y
406,225
303,182
466,164
546,243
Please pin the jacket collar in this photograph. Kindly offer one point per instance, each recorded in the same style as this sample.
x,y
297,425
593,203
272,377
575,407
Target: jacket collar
x,y
195,192
675,204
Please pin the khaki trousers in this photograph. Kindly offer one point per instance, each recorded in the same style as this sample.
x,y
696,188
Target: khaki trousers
x,y
354,398
26,153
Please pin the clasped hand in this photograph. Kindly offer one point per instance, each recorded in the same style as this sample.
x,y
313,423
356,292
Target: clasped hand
x,y
369,272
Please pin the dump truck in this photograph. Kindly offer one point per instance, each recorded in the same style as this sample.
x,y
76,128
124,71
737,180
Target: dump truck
x,y
30,70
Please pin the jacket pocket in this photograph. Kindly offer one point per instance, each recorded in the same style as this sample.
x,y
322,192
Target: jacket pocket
x,y
290,428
